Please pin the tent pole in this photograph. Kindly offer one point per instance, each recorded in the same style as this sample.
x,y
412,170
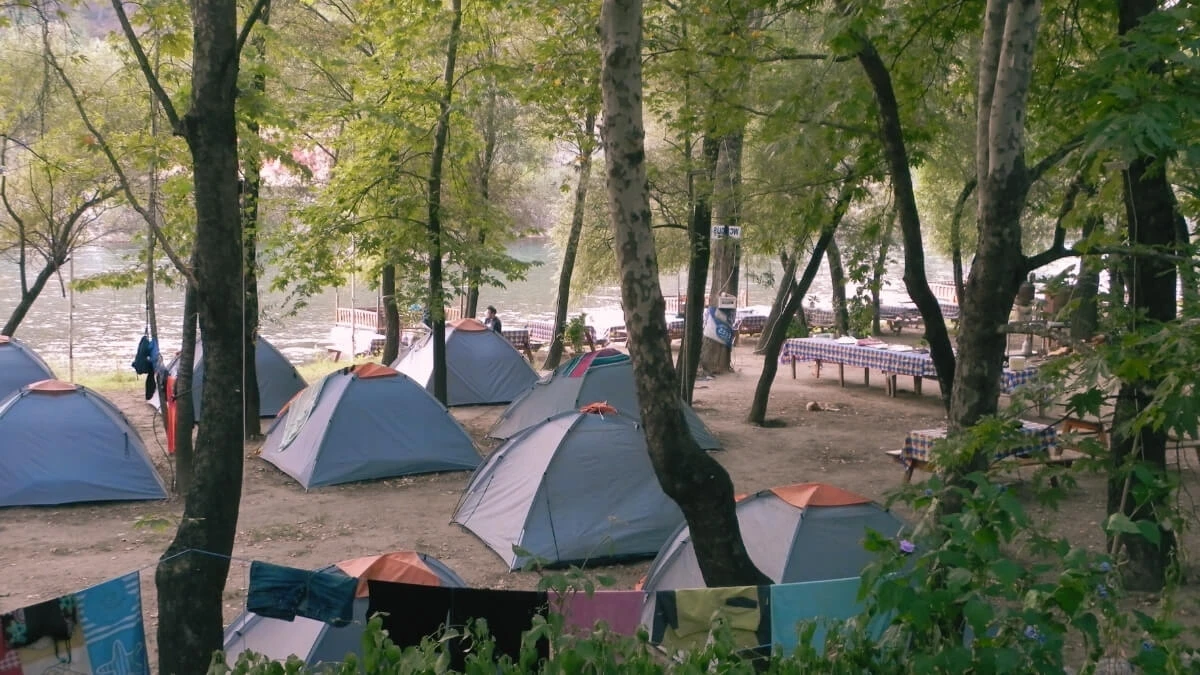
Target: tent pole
x,y
71,323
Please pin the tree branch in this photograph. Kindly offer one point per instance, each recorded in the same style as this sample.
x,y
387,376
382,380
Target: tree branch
x,y
147,70
251,19
116,165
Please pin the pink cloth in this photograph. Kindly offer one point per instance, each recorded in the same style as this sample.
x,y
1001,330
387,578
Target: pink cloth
x,y
621,610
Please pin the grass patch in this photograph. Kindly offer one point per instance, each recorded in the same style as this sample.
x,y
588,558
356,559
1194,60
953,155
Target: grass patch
x,y
101,380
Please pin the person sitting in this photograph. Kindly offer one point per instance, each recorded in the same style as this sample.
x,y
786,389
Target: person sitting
x,y
491,320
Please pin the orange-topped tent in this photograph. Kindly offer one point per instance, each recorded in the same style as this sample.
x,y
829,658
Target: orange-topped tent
x,y
317,642
802,532
401,566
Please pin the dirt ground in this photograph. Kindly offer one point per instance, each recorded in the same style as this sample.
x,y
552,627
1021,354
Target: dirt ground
x,y
50,551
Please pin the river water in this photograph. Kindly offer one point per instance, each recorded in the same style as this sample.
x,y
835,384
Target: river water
x,y
103,331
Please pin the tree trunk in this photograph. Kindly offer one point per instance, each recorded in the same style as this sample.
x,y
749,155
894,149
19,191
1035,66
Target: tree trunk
x,y
1086,316
252,189
191,585
726,251
700,243
781,297
1006,66
185,411
391,313
956,253
437,302
30,296
1189,278
1151,219
878,270
795,300
892,134
586,148
837,279
487,161
694,480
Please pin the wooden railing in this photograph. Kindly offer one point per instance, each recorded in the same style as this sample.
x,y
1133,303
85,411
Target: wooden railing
x,y
360,317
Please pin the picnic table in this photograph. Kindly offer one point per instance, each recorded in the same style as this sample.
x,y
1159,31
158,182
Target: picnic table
x,y
542,333
892,360
519,338
1041,448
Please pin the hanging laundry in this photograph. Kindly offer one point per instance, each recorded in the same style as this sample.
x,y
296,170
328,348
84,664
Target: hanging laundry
x,y
683,619
97,630
619,610
413,612
822,601
280,592
111,616
142,361
508,614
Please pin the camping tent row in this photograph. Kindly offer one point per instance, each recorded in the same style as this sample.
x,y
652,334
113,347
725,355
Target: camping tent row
x,y
809,532
278,380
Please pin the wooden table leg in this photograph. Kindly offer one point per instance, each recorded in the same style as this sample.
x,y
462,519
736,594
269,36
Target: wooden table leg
x,y
867,376
793,367
917,385
909,472
891,385
842,374
817,369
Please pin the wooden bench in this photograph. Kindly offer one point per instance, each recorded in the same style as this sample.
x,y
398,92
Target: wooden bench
x,y
1065,458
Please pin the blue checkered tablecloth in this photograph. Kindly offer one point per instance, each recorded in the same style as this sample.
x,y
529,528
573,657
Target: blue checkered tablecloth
x,y
542,332
750,323
916,364
1015,378
918,444
819,316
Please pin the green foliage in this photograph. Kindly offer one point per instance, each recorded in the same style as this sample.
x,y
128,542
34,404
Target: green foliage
x,y
575,331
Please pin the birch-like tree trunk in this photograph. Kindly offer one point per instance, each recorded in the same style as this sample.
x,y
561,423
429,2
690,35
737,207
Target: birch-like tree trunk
x,y
837,282
586,146
1005,71
694,480
437,301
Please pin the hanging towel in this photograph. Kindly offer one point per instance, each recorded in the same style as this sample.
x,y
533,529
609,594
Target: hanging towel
x,y
284,593
619,610
811,600
683,618
413,612
508,614
44,638
111,616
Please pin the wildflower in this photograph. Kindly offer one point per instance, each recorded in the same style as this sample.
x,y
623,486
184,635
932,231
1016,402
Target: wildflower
x,y
1102,590
1105,567
1147,645
1033,633
907,546
928,492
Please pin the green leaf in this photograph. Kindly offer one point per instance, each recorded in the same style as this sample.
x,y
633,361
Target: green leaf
x,y
1119,522
1150,530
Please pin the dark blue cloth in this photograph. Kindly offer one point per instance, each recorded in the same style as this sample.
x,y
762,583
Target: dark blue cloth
x,y
284,593
147,353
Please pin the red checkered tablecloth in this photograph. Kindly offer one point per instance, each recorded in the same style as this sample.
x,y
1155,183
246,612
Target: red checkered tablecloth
x,y
916,364
919,444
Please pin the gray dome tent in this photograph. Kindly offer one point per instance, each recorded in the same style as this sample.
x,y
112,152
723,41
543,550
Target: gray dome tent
x,y
62,443
315,642
366,422
278,379
577,488
482,368
604,375
19,366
